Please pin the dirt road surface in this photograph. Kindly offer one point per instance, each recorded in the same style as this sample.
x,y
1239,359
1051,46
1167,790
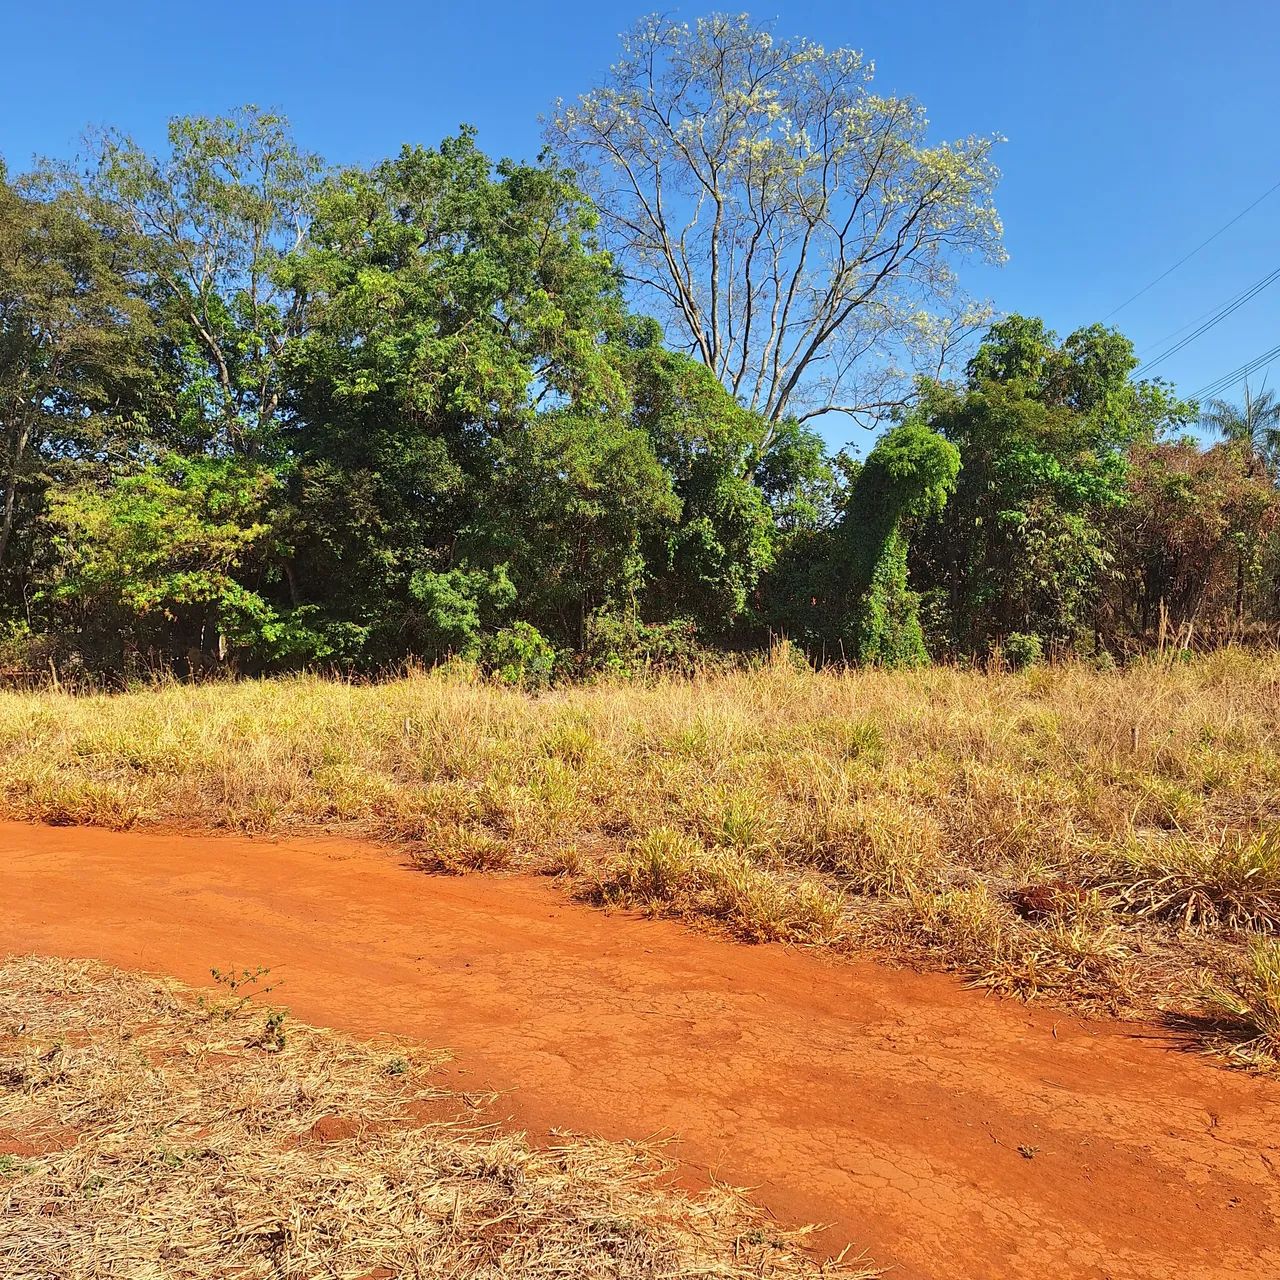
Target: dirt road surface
x,y
947,1133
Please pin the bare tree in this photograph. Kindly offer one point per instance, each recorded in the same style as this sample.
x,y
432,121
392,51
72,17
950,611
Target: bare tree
x,y
797,229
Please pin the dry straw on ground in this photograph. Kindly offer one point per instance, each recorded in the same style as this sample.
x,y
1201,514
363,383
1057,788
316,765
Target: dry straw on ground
x,y
1104,836
146,1135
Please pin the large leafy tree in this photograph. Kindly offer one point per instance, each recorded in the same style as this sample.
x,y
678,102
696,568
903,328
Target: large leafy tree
x,y
707,565
459,403
583,495
797,230
74,371
1043,428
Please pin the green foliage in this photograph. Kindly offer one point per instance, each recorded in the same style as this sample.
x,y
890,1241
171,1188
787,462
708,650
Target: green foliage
x,y
74,374
581,496
460,400
711,447
842,590
621,644
908,476
1022,650
1043,431
256,413
520,654
213,220
456,604
159,556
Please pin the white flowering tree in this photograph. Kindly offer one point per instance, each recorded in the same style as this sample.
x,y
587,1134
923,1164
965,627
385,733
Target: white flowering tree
x,y
798,231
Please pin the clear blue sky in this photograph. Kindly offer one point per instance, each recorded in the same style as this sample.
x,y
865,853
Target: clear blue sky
x,y
1136,127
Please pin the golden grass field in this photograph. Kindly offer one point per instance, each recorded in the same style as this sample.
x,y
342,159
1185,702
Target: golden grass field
x,y
161,1136
1110,838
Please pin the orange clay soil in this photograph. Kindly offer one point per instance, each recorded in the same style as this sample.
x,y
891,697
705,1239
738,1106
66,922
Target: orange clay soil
x,y
947,1133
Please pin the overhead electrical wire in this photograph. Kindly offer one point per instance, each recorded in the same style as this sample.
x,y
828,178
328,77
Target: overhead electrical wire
x,y
1182,328
1215,318
1220,384
1188,256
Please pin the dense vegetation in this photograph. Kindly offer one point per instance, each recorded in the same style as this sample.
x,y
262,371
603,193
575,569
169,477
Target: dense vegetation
x,y
259,413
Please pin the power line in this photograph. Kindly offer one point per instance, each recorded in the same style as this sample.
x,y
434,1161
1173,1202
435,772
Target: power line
x,y
1192,254
1216,318
1220,384
1182,328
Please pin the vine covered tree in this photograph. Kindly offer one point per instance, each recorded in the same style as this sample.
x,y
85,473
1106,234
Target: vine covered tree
x,y
844,588
907,477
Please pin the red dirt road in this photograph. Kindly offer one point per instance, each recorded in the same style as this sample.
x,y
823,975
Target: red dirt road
x,y
948,1134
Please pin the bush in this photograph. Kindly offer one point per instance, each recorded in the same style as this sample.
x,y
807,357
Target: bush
x,y
1022,650
623,645
520,655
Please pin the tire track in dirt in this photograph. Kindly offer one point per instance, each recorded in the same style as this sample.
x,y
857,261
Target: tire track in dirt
x,y
948,1134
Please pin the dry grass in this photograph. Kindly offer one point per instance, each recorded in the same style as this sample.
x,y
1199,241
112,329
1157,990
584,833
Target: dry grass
x,y
1233,880
1100,835
153,1137
671,873
1249,1003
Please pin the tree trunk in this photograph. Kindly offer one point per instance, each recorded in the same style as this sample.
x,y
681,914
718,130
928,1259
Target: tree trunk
x,y
20,442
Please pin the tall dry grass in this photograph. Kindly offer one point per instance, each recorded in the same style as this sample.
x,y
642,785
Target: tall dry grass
x,y
1067,829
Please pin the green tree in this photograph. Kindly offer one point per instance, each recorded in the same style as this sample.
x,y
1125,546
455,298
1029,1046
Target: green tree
x,y
1043,429
216,218
843,590
74,338
582,494
459,401
709,563
460,606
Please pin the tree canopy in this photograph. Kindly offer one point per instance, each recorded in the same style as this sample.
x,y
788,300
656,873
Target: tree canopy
x,y
261,412
797,231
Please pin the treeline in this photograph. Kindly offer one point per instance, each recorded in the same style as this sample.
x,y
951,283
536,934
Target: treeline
x,y
259,413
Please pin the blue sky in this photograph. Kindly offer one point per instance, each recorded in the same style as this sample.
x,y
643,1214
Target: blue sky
x,y
1135,128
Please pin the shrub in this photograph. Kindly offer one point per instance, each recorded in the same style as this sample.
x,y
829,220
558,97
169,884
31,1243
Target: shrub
x,y
621,644
521,655
1022,650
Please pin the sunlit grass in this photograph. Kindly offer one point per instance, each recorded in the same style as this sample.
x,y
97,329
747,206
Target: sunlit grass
x,y
872,808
